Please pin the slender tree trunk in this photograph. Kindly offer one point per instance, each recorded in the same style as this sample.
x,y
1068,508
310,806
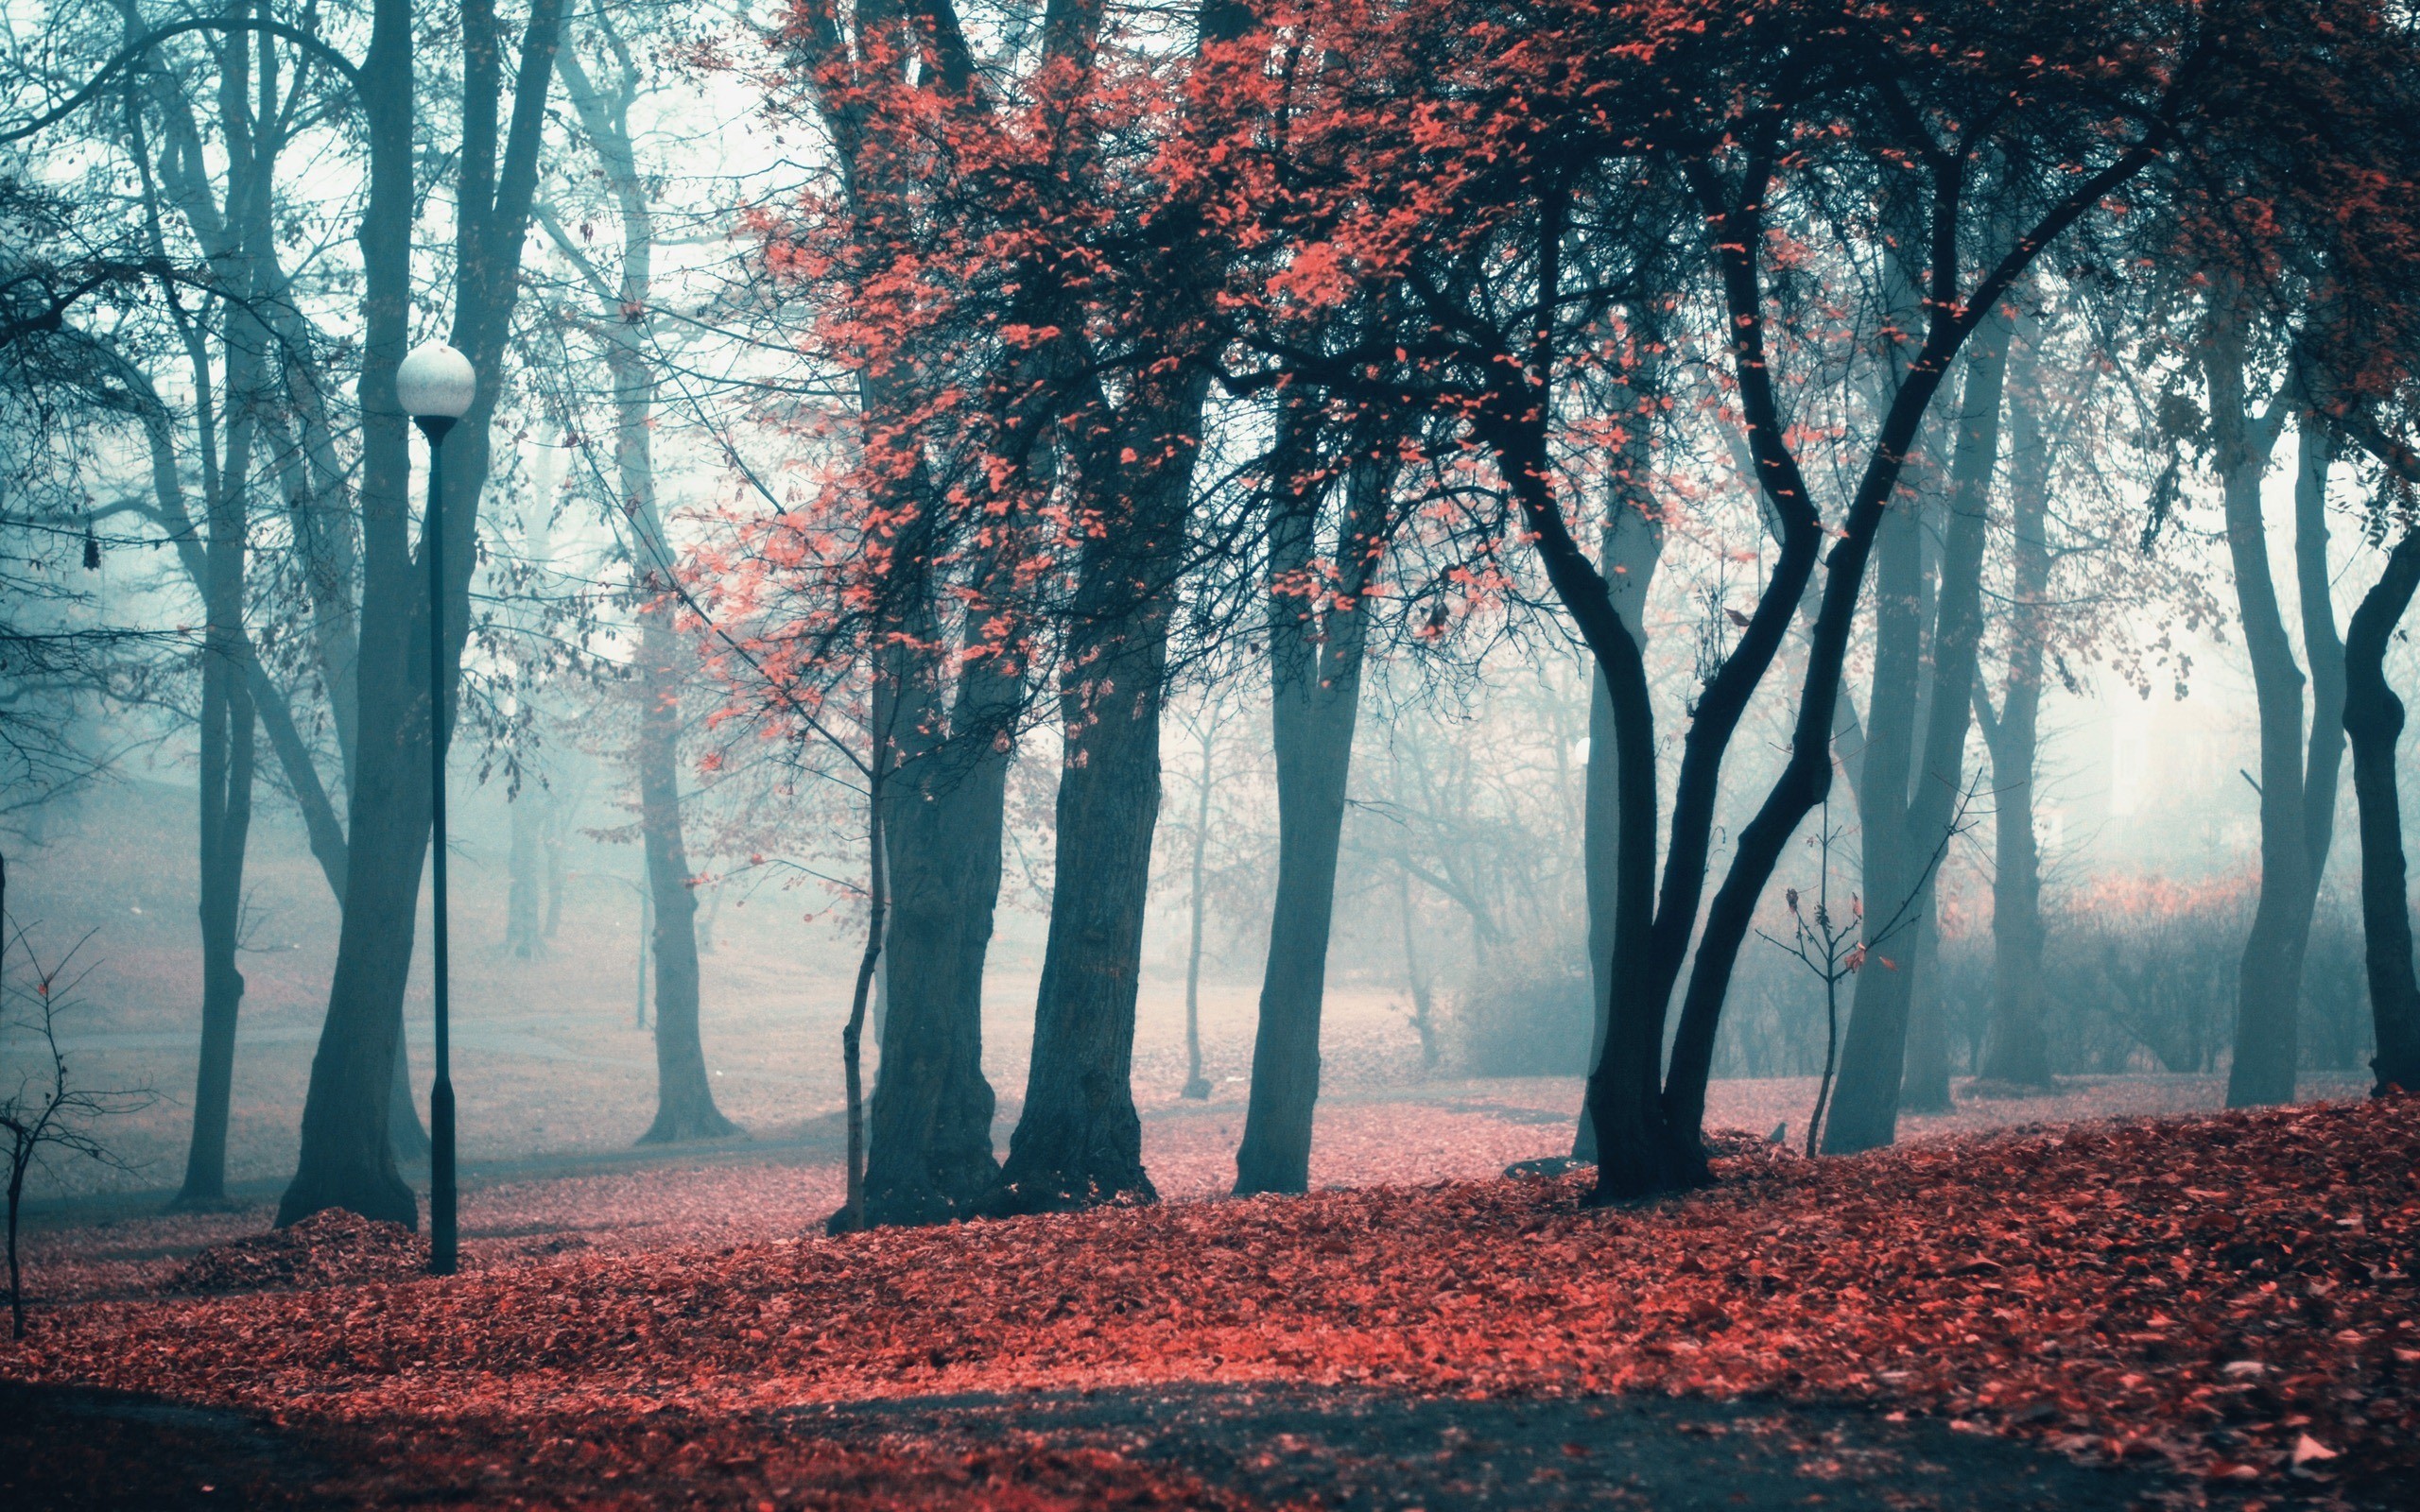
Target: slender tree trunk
x,y
2269,982
16,1276
1631,545
403,703
1807,776
346,1160
684,1096
1873,1055
2324,763
1078,1141
226,823
1925,1087
1424,1018
685,1100
558,872
1315,652
852,1215
1196,1086
1866,1098
2374,720
226,450
2016,1050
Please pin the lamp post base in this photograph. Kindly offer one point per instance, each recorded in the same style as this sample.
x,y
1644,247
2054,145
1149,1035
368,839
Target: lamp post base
x,y
441,1241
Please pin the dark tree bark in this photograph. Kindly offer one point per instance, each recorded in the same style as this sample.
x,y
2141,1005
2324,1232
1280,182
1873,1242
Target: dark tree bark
x,y
2374,721
1315,653
1631,545
403,704
851,1217
2294,833
1078,1141
1875,1058
403,1129
930,1144
2015,1048
226,820
931,1159
347,1160
1805,779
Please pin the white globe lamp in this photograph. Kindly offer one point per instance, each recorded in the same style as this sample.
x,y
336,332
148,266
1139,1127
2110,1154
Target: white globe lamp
x,y
435,382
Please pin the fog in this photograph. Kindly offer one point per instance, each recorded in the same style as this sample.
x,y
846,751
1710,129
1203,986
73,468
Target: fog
x,y
1461,884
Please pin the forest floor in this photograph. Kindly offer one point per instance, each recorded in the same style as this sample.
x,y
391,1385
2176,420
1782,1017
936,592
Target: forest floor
x,y
2211,1309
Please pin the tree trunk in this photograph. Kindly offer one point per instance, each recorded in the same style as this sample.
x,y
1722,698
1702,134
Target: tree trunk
x,y
2374,720
851,1217
558,872
1807,776
1315,652
1925,1087
2269,980
1423,1017
2015,1048
1900,894
403,704
1195,1087
227,730
1865,1099
404,1128
684,1101
1078,1141
225,447
930,1157
1631,545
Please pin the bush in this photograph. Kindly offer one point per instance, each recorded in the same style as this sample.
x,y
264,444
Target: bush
x,y
1529,1022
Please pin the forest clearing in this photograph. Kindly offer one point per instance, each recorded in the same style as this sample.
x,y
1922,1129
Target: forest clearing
x,y
1402,754
2220,1310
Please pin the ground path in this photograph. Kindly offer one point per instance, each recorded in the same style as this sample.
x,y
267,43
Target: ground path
x,y
2207,1310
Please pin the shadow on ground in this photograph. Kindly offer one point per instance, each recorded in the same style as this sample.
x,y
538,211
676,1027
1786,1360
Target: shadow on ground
x,y
1204,1445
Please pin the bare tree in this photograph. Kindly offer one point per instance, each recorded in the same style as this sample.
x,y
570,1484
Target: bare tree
x,y
47,1111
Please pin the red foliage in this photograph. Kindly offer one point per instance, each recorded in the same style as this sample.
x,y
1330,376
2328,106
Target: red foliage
x,y
331,1247
2214,1290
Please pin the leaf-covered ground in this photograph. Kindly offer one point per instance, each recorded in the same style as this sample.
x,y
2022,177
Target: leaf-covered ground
x,y
2225,1299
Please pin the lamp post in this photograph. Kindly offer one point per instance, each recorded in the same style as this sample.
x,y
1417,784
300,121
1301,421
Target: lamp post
x,y
434,385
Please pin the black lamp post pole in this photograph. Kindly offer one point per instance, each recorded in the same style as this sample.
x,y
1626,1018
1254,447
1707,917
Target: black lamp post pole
x,y
441,1238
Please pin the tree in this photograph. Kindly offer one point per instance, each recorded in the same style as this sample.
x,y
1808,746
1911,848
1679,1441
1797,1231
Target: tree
x,y
2015,1048
47,1111
2372,722
1320,610
684,1096
2297,784
1525,173
226,330
402,705
1907,813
